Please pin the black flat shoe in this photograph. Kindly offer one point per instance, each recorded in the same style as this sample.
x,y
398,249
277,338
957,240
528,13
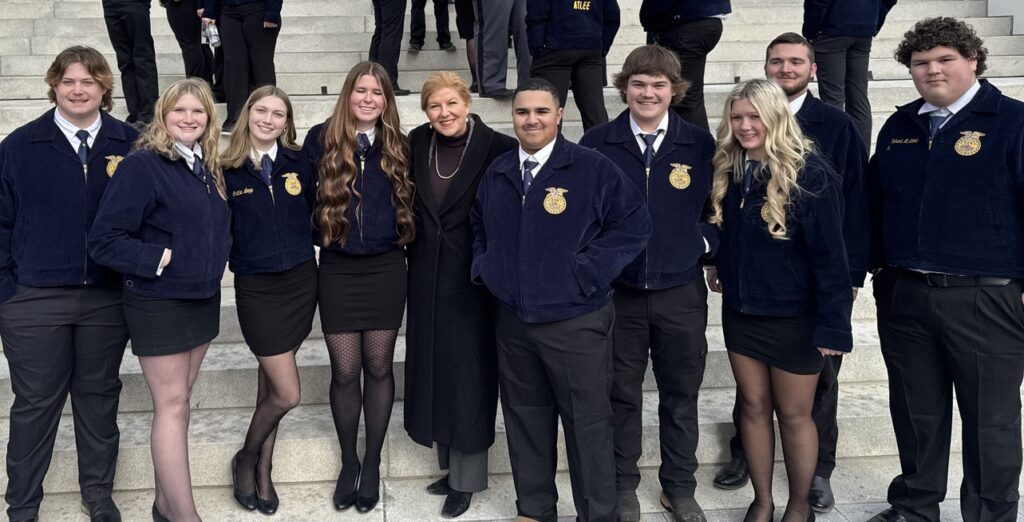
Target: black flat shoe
x,y
439,487
366,504
268,506
345,499
752,512
889,515
157,516
246,500
733,476
447,46
627,505
104,510
456,504
820,498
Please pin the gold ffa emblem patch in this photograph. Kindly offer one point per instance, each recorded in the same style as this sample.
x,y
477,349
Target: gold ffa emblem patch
x,y
680,176
112,162
555,202
765,215
969,144
291,183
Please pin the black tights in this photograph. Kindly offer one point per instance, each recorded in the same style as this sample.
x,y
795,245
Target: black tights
x,y
353,354
764,390
277,393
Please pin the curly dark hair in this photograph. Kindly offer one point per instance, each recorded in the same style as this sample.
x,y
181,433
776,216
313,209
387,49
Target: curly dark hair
x,y
943,32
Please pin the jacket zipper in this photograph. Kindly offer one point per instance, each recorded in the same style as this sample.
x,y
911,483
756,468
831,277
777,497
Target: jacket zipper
x,y
362,176
85,264
647,251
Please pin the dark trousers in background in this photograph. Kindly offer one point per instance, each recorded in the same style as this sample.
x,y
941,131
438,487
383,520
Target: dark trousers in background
x,y
843,77
826,402
130,35
669,325
200,61
558,370
386,43
584,70
692,41
937,339
248,53
61,340
495,19
418,22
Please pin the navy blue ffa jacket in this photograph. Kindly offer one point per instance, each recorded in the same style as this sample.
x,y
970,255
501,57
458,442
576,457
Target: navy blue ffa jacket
x,y
658,15
373,227
553,253
213,8
270,225
804,275
838,141
571,24
48,202
955,204
675,191
859,18
154,203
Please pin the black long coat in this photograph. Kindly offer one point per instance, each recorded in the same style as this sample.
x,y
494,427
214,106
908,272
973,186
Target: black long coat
x,y
451,375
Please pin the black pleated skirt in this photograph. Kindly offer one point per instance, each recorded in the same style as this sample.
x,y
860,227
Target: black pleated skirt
x,y
275,311
169,326
361,292
785,343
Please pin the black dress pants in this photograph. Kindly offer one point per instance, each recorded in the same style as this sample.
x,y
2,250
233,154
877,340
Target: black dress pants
x,y
61,340
843,63
200,61
823,410
130,35
584,70
248,54
669,324
935,340
386,42
692,42
558,370
418,22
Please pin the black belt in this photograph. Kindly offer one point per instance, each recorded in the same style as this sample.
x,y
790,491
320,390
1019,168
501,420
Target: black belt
x,y
950,280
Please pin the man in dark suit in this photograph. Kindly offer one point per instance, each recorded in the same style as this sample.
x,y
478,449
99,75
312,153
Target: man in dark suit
x,y
789,62
554,224
61,322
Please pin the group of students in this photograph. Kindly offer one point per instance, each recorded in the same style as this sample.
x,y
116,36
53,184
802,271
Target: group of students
x,y
546,269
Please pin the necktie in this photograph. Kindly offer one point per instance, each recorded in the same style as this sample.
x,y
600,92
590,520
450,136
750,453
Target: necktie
x,y
197,168
266,165
935,122
748,175
83,145
364,144
649,147
528,167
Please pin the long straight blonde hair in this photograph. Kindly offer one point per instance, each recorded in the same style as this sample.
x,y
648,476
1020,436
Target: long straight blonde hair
x,y
240,144
157,138
786,149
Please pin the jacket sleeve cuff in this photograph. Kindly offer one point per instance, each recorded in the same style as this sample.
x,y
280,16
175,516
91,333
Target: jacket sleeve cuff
x,y
474,271
825,337
149,260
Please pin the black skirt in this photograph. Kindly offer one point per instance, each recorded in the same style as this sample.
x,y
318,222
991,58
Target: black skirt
x,y
169,326
275,310
361,292
785,343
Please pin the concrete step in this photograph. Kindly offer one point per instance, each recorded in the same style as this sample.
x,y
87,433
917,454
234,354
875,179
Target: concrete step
x,y
859,485
229,372
307,447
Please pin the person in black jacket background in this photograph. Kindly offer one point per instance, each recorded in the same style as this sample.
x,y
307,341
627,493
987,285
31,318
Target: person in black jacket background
x,y
841,31
61,321
132,39
186,20
163,223
568,43
271,191
782,268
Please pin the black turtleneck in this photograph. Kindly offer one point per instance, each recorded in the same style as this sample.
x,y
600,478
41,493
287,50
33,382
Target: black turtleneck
x,y
446,160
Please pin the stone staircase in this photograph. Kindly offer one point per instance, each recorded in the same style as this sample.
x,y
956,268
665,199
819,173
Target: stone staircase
x,y
320,40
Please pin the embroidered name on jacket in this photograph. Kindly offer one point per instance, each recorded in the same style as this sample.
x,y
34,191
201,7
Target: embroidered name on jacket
x,y
242,192
581,5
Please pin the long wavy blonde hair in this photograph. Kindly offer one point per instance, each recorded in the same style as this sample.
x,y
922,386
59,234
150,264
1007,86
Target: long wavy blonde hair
x,y
157,139
786,149
338,170
240,144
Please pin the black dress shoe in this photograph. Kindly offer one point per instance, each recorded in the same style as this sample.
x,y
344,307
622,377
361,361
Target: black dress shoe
x,y
733,476
401,92
415,46
447,46
158,516
753,510
439,487
366,504
344,499
627,505
473,87
456,504
246,500
498,94
103,510
820,497
683,509
267,506
889,515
